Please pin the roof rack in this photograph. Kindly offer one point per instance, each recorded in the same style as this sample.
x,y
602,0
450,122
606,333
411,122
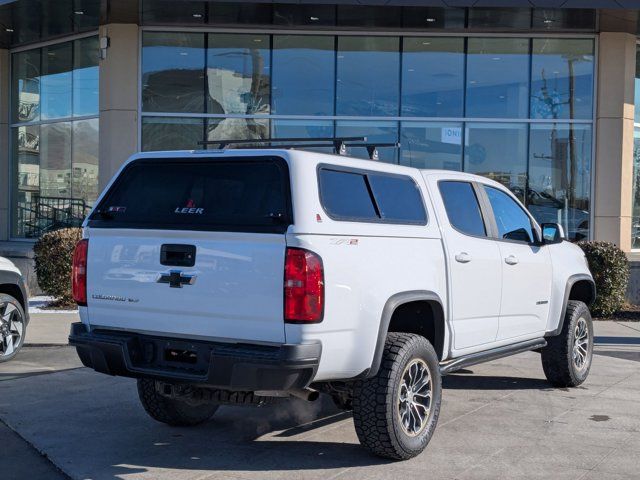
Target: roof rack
x,y
338,143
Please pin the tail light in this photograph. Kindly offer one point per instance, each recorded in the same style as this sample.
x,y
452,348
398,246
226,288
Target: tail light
x,y
303,287
79,272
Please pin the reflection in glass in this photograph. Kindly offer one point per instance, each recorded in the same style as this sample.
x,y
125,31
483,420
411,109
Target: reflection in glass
x,y
498,151
431,145
635,215
433,77
237,129
238,74
368,76
512,221
171,133
498,77
562,78
26,155
560,176
382,132
303,75
173,72
85,76
26,86
55,81
55,160
84,175
55,163
304,129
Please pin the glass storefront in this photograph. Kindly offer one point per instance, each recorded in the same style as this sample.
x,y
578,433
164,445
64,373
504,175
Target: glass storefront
x,y
516,109
54,135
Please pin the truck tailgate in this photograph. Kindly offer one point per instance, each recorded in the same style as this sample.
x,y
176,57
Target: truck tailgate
x,y
236,291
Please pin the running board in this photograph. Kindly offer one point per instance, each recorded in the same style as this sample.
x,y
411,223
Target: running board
x,y
489,355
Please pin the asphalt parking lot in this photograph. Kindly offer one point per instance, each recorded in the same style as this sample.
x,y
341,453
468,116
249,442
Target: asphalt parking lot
x,y
498,421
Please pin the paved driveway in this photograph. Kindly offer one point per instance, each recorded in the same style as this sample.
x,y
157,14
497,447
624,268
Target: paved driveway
x,y
499,421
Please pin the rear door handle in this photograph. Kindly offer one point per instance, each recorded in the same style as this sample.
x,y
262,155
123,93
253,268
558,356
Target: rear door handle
x,y
511,260
463,257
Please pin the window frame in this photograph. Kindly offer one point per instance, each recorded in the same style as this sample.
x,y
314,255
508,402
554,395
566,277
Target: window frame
x,y
364,172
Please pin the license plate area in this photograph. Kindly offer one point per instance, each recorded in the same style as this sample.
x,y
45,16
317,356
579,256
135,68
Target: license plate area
x,y
180,356
171,355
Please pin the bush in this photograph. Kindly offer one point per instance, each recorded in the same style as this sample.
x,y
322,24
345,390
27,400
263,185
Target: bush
x,y
53,257
610,270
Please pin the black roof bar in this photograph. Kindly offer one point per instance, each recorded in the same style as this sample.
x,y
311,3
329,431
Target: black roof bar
x,y
372,148
335,140
338,143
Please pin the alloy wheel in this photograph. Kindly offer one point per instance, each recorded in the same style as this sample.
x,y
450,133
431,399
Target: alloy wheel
x,y
581,344
414,397
11,329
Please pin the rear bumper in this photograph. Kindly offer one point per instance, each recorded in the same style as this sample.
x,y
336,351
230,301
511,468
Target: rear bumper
x,y
232,366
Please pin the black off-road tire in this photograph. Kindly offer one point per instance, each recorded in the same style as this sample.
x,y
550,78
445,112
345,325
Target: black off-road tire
x,y
376,411
174,412
558,362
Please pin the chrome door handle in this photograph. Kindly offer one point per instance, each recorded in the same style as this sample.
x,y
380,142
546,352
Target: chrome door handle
x,y
463,257
511,260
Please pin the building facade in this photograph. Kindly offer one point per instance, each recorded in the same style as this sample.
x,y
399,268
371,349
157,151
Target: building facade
x,y
538,98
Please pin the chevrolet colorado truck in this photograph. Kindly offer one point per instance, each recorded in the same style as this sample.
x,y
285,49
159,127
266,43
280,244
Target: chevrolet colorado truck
x,y
240,276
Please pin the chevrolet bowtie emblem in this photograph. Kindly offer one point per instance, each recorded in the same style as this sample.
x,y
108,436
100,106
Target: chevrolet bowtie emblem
x,y
176,279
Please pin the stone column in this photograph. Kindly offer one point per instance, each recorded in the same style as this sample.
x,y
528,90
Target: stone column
x,y
613,168
5,154
118,98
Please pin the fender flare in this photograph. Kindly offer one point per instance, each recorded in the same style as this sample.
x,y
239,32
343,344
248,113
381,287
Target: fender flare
x,y
387,312
572,280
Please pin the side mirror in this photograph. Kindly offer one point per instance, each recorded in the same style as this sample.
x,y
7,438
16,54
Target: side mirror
x,y
552,233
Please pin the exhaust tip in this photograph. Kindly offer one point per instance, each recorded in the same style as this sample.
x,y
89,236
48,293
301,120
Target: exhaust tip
x,y
305,394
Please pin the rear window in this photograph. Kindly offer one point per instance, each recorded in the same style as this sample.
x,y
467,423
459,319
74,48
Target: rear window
x,y
346,195
462,207
249,195
371,197
398,198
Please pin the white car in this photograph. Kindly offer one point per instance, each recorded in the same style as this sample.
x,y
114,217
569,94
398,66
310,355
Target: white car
x,y
14,312
280,272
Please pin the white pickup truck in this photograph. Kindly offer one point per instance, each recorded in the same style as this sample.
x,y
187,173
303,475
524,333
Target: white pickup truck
x,y
243,275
